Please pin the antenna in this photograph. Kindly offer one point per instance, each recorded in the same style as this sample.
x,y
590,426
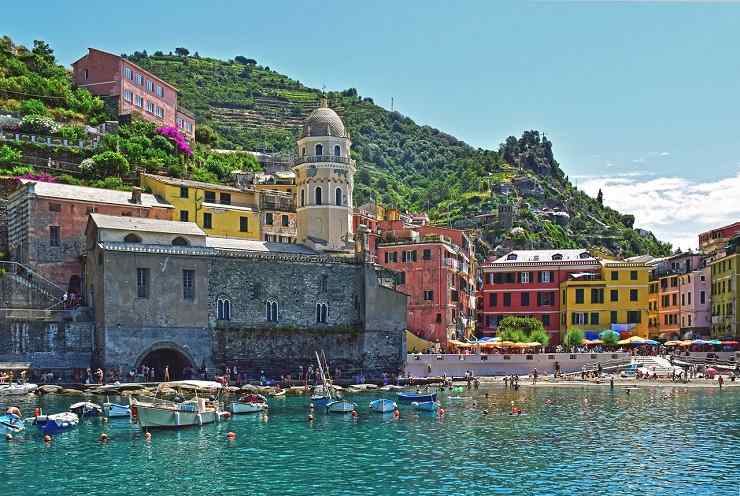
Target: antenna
x,y
391,104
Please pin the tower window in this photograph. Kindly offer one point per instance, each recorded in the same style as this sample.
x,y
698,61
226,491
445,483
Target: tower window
x,y
179,241
223,308
338,196
337,151
321,313
318,195
303,197
132,238
319,149
271,310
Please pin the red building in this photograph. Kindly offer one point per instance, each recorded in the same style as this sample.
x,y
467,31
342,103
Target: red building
x,y
436,267
131,90
711,241
526,283
47,221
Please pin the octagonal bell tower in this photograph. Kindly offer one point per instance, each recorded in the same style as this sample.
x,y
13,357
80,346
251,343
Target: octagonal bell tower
x,y
325,180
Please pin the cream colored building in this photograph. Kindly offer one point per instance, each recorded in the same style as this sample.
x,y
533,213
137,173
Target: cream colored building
x,y
324,182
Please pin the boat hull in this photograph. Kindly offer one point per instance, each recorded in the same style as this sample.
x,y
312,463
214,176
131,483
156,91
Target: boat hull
x,y
320,400
17,389
53,424
410,397
383,406
341,406
237,408
155,417
114,410
426,406
11,423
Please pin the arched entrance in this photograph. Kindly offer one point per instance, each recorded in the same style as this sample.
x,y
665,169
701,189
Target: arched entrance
x,y
180,365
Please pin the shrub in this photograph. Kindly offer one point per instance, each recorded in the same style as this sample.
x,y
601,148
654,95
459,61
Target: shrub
x,y
574,336
540,336
67,179
204,176
163,144
9,155
177,138
110,164
72,133
205,134
17,171
34,107
38,124
176,170
110,183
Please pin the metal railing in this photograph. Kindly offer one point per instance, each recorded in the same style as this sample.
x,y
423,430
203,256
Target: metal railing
x,y
35,282
310,159
47,140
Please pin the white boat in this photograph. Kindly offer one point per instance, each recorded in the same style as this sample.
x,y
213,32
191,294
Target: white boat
x,y
250,403
383,405
17,389
116,410
86,409
58,422
164,413
340,406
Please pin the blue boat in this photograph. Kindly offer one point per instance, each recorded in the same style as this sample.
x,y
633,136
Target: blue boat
x,y
419,397
114,410
383,406
9,422
340,406
86,409
426,406
320,400
59,422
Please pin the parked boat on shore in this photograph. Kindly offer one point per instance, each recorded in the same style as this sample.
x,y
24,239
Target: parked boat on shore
x,y
58,422
383,405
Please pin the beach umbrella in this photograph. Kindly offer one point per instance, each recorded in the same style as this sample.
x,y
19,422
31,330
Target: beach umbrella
x,y
672,343
632,340
729,342
714,342
650,342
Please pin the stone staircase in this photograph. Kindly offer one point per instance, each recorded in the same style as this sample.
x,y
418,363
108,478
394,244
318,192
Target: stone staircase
x,y
22,288
658,365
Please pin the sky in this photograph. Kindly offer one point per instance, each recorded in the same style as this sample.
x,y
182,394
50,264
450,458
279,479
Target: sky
x,y
640,98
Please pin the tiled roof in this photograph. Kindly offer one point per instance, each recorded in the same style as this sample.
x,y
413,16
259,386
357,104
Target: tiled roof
x,y
257,246
147,225
518,256
93,195
191,184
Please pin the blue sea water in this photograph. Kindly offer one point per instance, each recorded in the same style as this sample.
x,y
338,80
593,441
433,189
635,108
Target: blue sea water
x,y
656,441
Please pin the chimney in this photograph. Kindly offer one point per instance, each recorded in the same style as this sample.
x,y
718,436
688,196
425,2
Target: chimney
x,y
136,195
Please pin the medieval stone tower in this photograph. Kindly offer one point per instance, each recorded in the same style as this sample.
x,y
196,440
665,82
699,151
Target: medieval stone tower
x,y
325,179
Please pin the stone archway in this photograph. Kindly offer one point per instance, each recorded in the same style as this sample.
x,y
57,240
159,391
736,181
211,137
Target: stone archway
x,y
180,362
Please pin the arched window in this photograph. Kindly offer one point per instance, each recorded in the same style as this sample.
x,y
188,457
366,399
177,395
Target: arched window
x,y
180,241
319,149
271,311
223,308
318,195
303,197
512,256
132,238
337,151
322,310
338,196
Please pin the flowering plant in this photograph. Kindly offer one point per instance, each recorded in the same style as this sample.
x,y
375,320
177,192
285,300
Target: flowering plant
x,y
177,138
42,178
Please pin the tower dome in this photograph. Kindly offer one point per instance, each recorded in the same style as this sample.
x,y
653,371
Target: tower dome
x,y
323,121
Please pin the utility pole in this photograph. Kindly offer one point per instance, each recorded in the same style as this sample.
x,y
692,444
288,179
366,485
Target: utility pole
x,y
391,104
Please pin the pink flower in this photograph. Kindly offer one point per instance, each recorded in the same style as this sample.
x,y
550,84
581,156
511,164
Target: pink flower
x,y
177,138
42,178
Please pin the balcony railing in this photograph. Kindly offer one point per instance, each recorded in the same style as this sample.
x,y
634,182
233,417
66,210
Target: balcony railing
x,y
310,159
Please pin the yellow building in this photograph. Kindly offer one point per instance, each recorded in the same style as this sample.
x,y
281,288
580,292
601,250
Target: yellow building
x,y
653,317
616,297
219,210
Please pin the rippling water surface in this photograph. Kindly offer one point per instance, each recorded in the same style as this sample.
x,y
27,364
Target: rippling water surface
x,y
573,441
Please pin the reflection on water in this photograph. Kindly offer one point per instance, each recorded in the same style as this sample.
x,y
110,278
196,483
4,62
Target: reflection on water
x,y
571,441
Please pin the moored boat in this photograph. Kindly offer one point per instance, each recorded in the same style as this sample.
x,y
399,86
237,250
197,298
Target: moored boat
x,y
163,413
17,389
86,409
340,406
114,410
10,422
250,403
383,405
418,397
58,422
426,406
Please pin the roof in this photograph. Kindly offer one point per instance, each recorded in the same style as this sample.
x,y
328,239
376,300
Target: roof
x,y
256,245
147,225
92,195
518,256
191,184
323,121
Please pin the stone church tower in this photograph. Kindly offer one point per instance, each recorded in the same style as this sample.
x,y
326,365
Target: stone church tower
x,y
325,180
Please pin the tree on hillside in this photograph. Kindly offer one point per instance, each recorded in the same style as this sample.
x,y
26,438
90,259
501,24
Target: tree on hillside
x,y
600,197
182,52
241,59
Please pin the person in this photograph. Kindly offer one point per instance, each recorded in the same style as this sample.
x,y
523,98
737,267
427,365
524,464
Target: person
x,y
506,382
99,374
611,382
166,373
534,376
599,369
557,369
720,381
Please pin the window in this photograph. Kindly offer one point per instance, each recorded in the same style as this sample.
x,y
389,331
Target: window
x,y
614,295
546,298
184,215
324,283
615,275
142,283
545,276
594,318
319,149
180,241
337,151
426,254
54,235
132,238
183,192
546,320
408,256
128,73
188,284
139,79
633,275
159,112
55,207
223,308
318,195
268,219
321,313
208,221
160,91
303,197
597,295
428,295
149,107
285,221
702,298
128,96
633,317
579,295
613,316
523,277
507,299
139,101
557,256
674,298
525,299
149,85
402,278
579,318
271,311
493,299
86,74
225,198
338,196
243,224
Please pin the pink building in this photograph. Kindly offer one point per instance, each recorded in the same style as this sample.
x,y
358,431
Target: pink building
x,y
695,301
131,90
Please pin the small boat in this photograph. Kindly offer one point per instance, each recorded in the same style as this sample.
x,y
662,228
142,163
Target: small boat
x,y
113,410
196,411
17,389
250,403
418,397
320,400
58,422
10,422
391,387
340,406
383,405
278,394
86,409
426,406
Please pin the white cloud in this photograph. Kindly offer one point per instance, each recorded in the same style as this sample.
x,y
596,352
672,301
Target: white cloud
x,y
674,208
665,154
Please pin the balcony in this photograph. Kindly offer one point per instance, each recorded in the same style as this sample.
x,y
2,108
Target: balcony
x,y
457,265
312,159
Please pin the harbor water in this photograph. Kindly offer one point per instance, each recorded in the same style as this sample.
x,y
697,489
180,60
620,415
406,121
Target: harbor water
x,y
672,441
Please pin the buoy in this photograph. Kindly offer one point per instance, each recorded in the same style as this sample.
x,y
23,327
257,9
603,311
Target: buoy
x,y
396,413
37,412
103,437
9,436
310,417
310,406
354,413
47,438
227,415
231,436
148,436
441,411
104,419
485,412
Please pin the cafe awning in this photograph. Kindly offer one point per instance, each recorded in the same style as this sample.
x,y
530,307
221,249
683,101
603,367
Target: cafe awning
x,y
15,365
